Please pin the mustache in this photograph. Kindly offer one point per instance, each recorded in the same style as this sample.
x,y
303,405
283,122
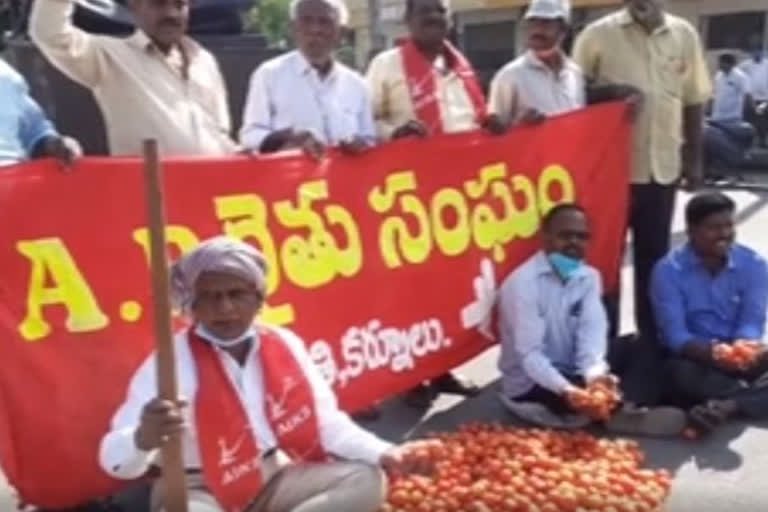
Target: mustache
x,y
170,22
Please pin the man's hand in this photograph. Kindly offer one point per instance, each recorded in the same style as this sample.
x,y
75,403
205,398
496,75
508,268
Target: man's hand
x,y
412,128
160,420
355,146
635,102
533,117
493,125
64,149
576,397
307,142
416,457
693,175
608,380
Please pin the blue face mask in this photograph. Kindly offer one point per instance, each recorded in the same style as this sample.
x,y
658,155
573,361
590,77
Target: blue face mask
x,y
565,266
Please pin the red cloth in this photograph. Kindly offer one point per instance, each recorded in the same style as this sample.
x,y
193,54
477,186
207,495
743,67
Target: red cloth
x,y
230,455
419,72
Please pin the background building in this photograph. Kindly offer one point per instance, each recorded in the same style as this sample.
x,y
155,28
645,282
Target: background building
x,y
489,30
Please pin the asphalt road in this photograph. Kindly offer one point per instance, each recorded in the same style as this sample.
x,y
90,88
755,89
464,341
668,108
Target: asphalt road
x,y
726,472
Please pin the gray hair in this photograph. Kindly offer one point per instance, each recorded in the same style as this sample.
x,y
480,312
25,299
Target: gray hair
x,y
338,6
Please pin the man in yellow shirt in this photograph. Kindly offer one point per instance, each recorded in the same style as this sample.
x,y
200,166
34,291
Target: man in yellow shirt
x,y
660,55
425,86
157,83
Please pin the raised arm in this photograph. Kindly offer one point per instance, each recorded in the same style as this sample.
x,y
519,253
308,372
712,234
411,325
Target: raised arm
x,y
75,53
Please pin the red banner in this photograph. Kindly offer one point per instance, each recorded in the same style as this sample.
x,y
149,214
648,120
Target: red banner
x,y
386,264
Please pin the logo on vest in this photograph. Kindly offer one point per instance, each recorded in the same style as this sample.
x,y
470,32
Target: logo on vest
x,y
228,454
277,406
298,418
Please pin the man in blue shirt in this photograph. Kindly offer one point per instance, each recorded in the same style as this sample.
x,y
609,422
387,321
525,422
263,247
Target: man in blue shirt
x,y
25,131
709,291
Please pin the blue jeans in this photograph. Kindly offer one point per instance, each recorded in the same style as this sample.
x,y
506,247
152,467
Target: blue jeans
x,y
727,142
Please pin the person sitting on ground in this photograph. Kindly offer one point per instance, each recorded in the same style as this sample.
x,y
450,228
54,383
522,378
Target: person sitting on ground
x,y
554,336
727,137
26,132
254,394
708,292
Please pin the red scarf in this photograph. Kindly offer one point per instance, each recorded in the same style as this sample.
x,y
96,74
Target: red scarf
x,y
420,75
230,455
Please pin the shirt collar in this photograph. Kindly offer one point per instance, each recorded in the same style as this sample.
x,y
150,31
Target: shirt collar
x,y
692,260
141,40
533,61
626,20
544,267
303,67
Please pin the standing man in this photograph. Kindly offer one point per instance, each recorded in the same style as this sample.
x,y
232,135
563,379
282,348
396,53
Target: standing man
x,y
155,84
25,132
756,69
661,55
427,87
543,81
306,98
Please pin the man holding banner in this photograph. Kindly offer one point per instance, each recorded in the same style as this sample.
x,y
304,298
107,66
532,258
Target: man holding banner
x,y
427,87
154,84
305,98
254,395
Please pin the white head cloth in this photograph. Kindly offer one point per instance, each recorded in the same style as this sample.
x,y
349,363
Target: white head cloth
x,y
219,254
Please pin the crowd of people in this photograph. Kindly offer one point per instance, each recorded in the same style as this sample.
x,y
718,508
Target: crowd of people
x,y
558,328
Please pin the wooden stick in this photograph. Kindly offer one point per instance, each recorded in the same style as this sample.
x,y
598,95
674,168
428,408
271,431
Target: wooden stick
x,y
174,477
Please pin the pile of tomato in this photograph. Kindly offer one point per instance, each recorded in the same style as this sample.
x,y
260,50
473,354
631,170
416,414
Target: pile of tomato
x,y
597,400
491,468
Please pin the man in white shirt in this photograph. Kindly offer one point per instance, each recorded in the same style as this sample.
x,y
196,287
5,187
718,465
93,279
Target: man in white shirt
x,y
157,83
306,98
543,81
554,336
727,138
756,68
732,91
252,390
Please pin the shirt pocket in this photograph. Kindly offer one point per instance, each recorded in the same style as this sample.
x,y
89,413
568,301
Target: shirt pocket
x,y
672,69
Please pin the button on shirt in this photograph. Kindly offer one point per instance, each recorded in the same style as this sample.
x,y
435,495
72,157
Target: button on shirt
x,y
287,92
667,65
392,105
22,122
731,90
758,78
179,99
528,83
549,327
121,458
693,305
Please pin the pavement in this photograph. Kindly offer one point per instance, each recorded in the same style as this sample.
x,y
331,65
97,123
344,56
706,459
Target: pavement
x,y
726,472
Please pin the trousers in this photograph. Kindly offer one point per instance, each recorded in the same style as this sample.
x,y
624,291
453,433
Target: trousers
x,y
301,487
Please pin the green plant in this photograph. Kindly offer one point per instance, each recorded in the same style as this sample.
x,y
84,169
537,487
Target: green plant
x,y
272,19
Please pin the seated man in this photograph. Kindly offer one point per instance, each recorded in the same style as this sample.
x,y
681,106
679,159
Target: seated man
x,y
727,137
707,292
554,334
252,390
25,132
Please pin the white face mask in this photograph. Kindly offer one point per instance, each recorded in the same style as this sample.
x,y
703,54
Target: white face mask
x,y
203,332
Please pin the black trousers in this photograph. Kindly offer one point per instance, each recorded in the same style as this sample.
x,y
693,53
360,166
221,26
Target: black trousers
x,y
650,220
690,383
637,363
760,122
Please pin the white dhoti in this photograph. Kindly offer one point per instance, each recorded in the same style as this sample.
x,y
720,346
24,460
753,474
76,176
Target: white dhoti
x,y
303,487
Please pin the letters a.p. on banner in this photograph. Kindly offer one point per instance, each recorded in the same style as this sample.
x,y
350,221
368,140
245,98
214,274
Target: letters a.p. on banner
x,y
386,264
